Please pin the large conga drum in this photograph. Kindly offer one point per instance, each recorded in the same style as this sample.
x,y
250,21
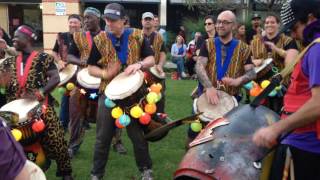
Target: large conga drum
x,y
89,85
28,111
212,112
34,171
66,74
224,149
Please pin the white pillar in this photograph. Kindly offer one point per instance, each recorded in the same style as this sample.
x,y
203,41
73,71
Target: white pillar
x,y
163,13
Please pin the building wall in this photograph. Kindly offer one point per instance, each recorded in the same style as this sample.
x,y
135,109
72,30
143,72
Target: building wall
x,y
52,23
4,17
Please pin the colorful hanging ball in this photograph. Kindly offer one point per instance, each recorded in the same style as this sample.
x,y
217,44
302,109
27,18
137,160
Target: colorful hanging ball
x,y
150,108
2,90
255,91
272,93
124,120
249,85
265,84
38,126
70,86
159,96
109,103
156,88
145,119
152,97
196,126
278,88
116,112
136,111
17,134
118,125
62,90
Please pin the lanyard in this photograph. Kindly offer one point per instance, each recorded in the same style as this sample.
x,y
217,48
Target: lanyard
x,y
124,40
89,39
22,74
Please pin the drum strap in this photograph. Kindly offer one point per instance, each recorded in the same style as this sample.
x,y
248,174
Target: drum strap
x,y
22,73
89,39
276,79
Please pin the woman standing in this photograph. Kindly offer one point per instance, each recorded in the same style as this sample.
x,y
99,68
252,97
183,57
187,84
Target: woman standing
x,y
178,52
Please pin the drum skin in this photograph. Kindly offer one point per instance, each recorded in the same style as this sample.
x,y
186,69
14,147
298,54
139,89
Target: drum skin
x,y
230,155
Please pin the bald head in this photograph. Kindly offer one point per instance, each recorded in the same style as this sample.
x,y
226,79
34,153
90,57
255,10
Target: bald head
x,y
227,15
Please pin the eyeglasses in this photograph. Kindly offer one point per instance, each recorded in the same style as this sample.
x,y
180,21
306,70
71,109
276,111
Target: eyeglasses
x,y
209,24
224,22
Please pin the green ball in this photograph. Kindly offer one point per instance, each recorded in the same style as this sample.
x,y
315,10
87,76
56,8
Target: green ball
x,y
196,126
2,90
62,90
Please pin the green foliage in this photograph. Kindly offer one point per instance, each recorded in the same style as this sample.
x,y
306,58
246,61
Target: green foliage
x,y
166,154
193,25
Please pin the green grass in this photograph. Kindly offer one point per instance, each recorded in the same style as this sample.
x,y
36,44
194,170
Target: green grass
x,y
166,154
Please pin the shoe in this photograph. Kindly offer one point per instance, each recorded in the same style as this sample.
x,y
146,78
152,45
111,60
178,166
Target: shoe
x,y
118,147
93,177
146,174
183,75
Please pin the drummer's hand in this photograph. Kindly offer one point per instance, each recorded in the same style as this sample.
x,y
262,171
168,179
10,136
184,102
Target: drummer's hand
x,y
28,95
131,69
61,64
231,81
270,44
160,70
3,44
212,95
257,62
266,137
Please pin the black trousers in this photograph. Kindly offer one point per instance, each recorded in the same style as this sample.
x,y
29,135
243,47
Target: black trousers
x,y
306,164
105,131
190,64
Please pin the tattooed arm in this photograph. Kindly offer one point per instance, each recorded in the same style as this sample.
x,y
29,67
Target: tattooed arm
x,y
211,92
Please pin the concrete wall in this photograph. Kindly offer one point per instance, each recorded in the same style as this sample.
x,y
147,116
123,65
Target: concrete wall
x,y
52,23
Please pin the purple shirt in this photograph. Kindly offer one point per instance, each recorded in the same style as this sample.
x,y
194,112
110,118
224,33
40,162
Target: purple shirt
x,y
311,68
12,157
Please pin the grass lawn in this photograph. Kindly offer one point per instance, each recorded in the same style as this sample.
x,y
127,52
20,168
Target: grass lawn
x,y
166,154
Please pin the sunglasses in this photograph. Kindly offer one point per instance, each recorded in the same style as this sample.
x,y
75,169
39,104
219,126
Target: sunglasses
x,y
209,24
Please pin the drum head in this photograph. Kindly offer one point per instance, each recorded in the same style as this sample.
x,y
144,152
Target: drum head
x,y
266,62
155,72
35,172
67,73
21,107
88,81
213,112
124,85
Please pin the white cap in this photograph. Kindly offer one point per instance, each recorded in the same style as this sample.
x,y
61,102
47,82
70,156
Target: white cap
x,y
147,15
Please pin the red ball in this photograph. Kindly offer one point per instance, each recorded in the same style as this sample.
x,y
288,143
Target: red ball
x,y
145,119
118,125
38,126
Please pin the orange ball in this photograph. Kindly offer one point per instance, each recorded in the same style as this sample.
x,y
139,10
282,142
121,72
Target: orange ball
x,y
118,125
150,108
255,91
156,88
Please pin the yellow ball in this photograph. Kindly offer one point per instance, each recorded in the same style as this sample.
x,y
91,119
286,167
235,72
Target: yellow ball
x,y
116,112
136,112
265,83
152,97
17,134
70,86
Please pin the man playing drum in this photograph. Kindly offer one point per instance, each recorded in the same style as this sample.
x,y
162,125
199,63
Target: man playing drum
x,y
78,54
157,44
281,48
34,75
60,52
301,115
111,53
223,62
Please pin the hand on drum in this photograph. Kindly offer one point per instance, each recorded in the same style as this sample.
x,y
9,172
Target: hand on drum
x,y
160,69
231,81
266,137
212,95
30,95
270,44
131,69
61,65
257,62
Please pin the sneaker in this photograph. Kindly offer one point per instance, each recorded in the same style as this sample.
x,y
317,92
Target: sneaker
x,y
93,177
118,147
183,75
146,174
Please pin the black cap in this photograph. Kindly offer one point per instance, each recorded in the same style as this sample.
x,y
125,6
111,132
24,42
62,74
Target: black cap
x,y
293,10
255,16
114,11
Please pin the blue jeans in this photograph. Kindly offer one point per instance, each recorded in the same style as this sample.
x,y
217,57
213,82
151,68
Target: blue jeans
x,y
64,111
180,64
